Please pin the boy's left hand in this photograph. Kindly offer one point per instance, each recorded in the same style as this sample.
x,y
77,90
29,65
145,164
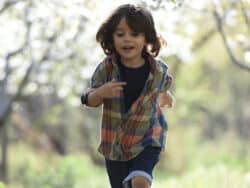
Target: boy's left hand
x,y
166,99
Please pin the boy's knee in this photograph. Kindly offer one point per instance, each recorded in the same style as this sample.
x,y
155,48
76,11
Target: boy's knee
x,y
140,182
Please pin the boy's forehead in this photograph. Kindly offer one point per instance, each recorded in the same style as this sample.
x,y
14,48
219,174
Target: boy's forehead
x,y
123,25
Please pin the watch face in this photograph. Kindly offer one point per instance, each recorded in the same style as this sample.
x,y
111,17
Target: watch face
x,y
83,98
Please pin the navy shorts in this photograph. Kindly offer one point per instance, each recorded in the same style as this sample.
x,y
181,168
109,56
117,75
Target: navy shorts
x,y
121,172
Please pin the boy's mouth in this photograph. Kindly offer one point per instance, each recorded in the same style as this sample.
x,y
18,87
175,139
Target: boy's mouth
x,y
127,47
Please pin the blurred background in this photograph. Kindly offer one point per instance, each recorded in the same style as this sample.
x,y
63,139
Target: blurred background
x,y
48,53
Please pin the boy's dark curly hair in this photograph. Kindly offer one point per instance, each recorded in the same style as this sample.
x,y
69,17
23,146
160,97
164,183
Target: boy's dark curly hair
x,y
138,19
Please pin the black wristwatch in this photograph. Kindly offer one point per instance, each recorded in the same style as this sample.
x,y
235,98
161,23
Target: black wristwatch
x,y
84,98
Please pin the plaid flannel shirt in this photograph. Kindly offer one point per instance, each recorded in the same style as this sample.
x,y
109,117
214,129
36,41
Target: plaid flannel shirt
x,y
125,134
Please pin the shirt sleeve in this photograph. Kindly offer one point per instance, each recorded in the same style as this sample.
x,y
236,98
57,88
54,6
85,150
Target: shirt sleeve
x,y
98,77
167,82
166,79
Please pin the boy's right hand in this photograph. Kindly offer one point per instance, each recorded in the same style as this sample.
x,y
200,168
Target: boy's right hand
x,y
111,89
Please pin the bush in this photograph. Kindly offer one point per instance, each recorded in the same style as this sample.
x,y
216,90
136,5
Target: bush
x,y
2,185
74,171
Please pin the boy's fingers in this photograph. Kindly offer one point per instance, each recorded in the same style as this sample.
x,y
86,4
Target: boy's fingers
x,y
120,83
118,88
114,81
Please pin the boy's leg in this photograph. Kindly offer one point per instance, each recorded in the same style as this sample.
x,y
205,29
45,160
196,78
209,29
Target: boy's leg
x,y
141,168
140,182
117,172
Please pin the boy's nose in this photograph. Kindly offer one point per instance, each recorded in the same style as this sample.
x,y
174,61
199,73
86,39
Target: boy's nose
x,y
127,37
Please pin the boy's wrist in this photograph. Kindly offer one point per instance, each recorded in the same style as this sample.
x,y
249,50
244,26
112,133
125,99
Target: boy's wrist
x,y
99,93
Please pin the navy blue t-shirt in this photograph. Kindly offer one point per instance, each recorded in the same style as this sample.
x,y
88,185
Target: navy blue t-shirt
x,y
135,79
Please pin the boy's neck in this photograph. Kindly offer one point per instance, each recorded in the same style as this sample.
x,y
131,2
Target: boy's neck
x,y
133,63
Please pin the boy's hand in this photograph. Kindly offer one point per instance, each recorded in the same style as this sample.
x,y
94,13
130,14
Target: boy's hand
x,y
111,89
166,99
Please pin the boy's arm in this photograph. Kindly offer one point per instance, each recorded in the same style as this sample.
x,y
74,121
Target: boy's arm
x,y
166,99
94,98
108,90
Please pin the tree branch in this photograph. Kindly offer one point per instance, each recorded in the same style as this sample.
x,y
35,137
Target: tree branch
x,y
51,40
9,4
18,50
245,16
203,39
234,60
6,102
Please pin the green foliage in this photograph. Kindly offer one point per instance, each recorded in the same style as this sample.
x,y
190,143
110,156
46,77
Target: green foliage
x,y
57,177
73,171
189,161
2,185
187,150
192,162
218,176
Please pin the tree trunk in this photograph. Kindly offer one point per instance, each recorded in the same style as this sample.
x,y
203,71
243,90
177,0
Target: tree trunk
x,y
4,156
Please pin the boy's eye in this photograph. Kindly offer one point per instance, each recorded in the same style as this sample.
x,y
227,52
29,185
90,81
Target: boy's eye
x,y
135,34
120,34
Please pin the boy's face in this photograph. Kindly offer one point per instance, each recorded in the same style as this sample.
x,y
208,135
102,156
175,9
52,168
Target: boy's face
x,y
128,43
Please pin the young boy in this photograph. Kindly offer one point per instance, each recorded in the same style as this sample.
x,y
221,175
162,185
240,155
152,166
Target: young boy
x,y
132,86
